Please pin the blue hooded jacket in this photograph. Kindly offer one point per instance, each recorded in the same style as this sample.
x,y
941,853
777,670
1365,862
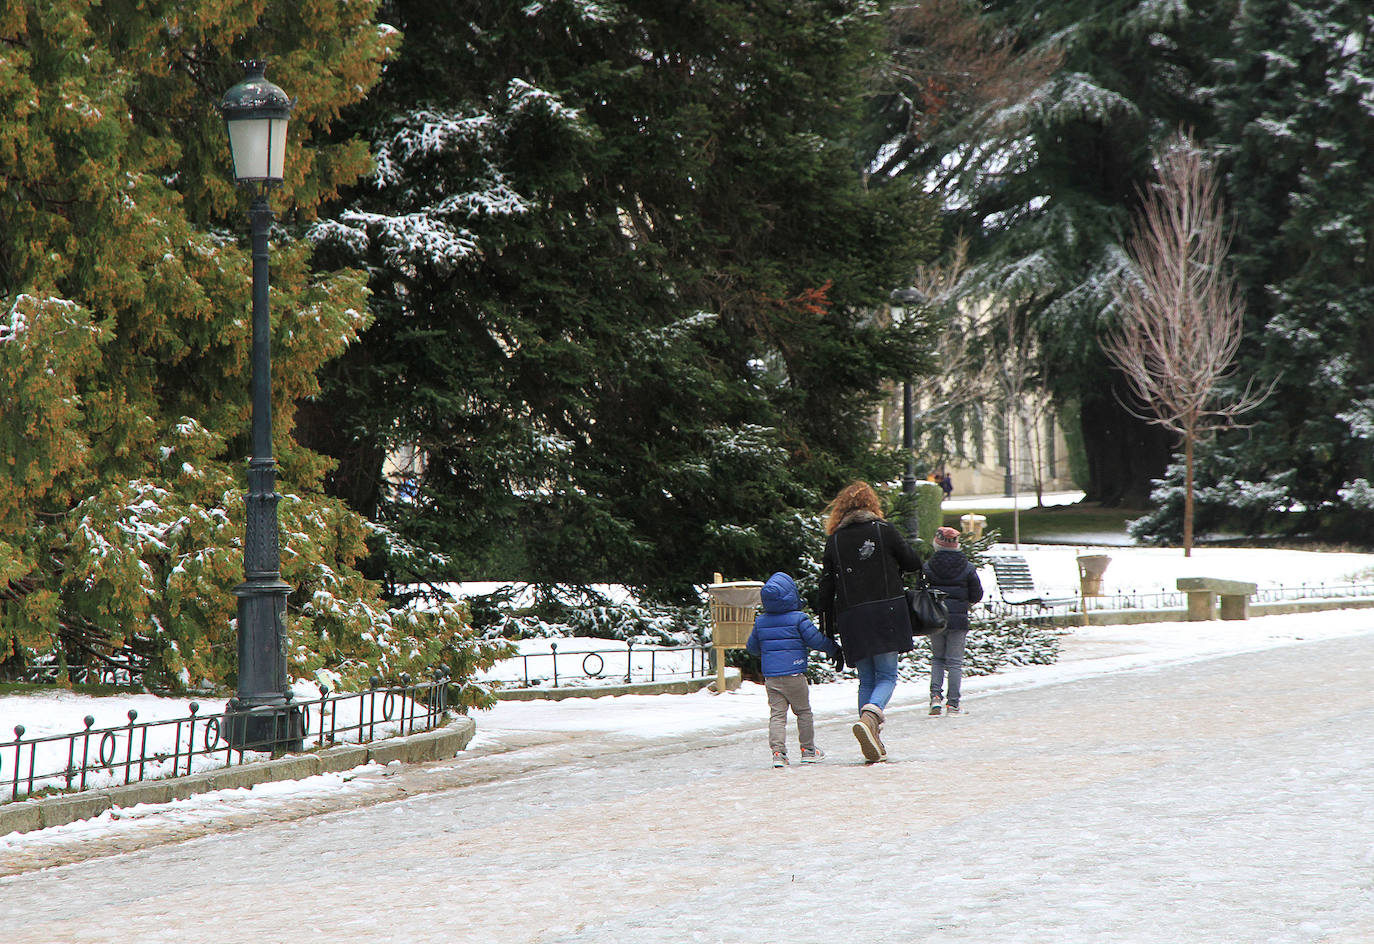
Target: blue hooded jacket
x,y
782,632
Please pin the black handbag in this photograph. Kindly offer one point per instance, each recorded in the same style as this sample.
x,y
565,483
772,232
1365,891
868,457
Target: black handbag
x,y
929,613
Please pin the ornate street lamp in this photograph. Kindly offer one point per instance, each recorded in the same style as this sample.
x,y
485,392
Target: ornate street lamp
x,y
262,716
900,300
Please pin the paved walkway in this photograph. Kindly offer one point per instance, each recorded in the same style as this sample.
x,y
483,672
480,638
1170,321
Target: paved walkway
x,y
1225,801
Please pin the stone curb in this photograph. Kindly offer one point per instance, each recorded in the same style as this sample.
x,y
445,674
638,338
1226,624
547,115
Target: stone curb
x,y
1179,615
27,815
733,677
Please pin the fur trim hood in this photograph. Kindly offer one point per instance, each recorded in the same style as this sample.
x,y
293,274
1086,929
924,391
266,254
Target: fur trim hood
x,y
858,516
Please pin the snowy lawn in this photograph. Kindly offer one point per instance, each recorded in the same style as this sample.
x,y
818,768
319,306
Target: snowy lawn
x,y
1146,570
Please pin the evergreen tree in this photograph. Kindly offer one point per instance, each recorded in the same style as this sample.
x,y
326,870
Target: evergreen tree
x,y
1044,188
1297,131
125,338
623,263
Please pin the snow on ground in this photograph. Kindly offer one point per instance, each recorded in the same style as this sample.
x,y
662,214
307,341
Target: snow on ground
x,y
1142,790
1155,569
58,713
1088,652
1224,803
1147,570
1054,567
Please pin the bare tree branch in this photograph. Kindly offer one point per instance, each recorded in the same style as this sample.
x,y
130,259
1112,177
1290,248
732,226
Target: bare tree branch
x,y
1182,310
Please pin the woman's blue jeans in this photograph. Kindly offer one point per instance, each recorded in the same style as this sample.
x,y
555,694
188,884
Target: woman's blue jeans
x,y
877,678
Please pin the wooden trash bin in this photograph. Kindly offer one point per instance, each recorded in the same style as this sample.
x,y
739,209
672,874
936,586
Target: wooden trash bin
x,y
734,605
1091,567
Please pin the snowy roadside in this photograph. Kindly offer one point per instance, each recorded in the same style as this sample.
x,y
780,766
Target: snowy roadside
x,y
535,735
538,730
1087,652
1077,813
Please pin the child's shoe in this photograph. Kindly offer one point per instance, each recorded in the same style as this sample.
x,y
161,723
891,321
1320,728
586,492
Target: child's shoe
x,y
953,710
812,755
780,759
936,703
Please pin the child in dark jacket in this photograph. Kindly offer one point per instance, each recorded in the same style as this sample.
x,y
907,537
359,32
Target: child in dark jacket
x,y
781,636
949,570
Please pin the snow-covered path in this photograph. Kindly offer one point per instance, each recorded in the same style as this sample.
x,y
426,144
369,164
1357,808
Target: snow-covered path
x,y
1224,800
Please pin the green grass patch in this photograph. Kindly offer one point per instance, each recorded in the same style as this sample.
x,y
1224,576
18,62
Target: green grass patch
x,y
1052,524
35,688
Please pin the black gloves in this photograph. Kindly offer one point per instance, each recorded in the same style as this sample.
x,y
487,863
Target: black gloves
x,y
837,660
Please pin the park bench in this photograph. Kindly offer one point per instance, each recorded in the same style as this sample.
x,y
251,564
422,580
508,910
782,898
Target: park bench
x,y
1203,593
1017,587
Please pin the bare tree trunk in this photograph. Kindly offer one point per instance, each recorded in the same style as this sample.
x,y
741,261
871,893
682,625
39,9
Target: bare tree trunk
x,y
1014,419
1188,493
1182,312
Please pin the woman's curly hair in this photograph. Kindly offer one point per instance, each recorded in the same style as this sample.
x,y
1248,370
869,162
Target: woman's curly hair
x,y
856,496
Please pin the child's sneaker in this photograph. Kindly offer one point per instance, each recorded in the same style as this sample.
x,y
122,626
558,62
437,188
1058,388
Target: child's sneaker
x,y
812,756
954,710
936,702
780,759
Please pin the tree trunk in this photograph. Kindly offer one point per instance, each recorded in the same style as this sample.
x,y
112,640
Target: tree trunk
x,y
1188,438
356,479
1123,451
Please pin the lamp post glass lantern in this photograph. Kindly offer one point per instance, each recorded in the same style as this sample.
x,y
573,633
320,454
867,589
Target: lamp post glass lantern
x,y
255,115
261,716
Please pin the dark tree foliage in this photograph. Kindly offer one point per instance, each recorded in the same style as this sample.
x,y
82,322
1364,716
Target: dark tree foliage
x,y
623,260
1294,132
1045,184
125,339
1298,135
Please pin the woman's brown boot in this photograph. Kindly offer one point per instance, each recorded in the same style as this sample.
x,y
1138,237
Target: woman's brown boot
x,y
866,732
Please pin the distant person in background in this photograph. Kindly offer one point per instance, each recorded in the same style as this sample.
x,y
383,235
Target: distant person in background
x,y
862,598
947,485
949,571
781,637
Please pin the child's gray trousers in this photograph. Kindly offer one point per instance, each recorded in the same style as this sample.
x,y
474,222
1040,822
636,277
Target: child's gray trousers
x,y
789,691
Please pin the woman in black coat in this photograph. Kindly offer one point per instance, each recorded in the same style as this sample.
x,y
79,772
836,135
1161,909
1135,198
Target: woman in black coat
x,y
949,570
862,598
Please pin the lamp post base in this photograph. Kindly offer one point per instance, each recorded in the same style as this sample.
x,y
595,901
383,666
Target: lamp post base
x,y
278,728
262,717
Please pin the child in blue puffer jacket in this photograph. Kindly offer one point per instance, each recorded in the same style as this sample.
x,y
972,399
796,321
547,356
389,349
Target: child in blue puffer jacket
x,y
781,636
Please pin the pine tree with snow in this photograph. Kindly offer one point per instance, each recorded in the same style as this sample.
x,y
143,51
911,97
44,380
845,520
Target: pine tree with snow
x,y
1044,187
1297,130
623,262
124,343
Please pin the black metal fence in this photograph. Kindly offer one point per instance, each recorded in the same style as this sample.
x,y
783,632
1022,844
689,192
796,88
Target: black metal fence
x,y
1315,591
576,665
173,747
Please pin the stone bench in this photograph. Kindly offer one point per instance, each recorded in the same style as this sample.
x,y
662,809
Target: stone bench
x,y
1203,593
